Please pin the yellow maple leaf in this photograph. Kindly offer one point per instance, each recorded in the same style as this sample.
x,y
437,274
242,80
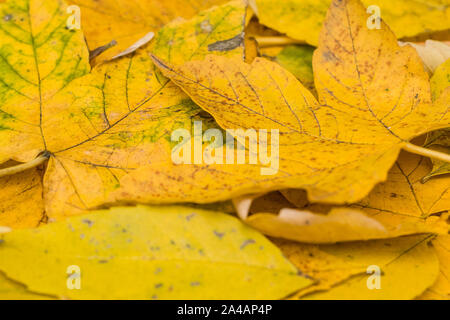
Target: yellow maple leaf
x,y
337,148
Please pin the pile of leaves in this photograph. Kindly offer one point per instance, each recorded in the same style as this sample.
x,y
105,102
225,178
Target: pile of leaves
x,y
88,181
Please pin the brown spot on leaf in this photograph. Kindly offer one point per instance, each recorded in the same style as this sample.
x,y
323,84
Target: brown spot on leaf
x,y
227,45
246,243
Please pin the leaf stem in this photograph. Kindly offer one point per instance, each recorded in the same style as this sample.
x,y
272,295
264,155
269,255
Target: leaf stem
x,y
25,166
276,41
427,152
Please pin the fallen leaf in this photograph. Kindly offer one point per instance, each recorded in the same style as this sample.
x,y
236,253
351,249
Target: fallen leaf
x,y
408,266
339,266
337,149
78,140
39,57
328,268
129,21
103,125
150,253
303,19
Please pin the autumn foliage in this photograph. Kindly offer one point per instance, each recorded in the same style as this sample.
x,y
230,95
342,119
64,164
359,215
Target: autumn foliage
x,y
117,164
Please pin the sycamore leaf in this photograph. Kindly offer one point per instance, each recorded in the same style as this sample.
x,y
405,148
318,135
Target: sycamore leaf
x,y
402,205
302,19
337,149
441,288
150,253
407,262
21,204
103,125
128,21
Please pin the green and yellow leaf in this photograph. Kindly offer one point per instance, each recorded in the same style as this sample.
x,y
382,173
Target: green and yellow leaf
x,y
100,126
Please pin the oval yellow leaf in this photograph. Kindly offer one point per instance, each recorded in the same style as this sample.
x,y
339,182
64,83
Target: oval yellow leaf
x,y
149,253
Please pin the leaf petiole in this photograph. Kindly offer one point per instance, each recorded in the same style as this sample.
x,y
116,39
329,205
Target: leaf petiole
x,y
276,41
25,166
426,152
